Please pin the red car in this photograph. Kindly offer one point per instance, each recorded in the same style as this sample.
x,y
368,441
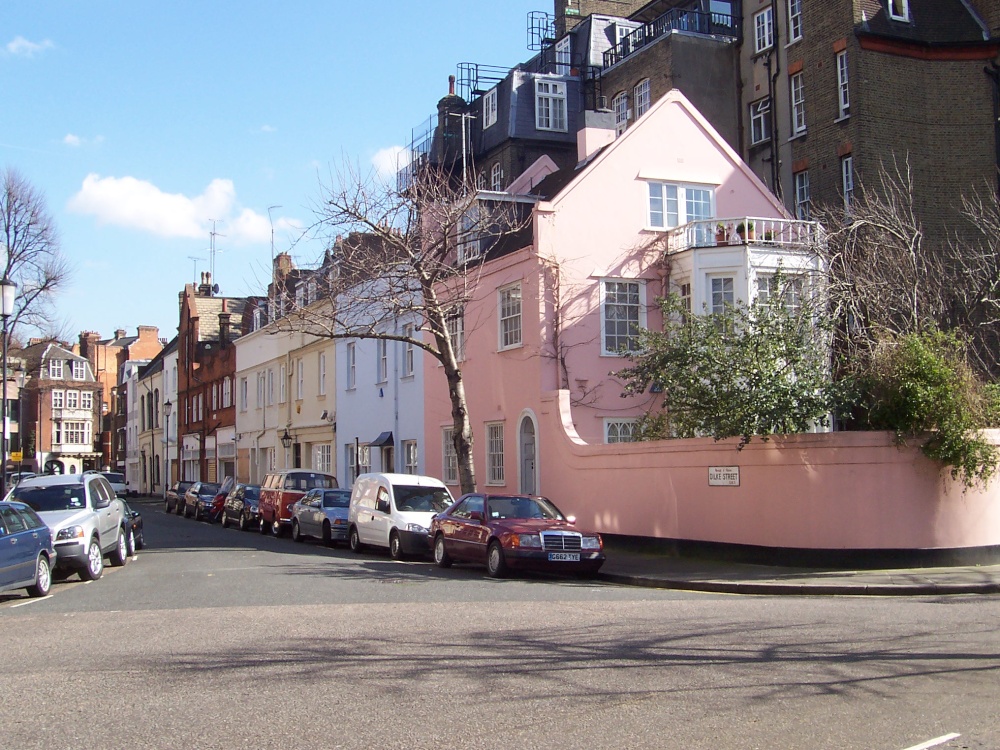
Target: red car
x,y
523,532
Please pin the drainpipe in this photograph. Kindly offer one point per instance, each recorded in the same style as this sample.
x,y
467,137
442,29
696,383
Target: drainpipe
x,y
772,77
993,72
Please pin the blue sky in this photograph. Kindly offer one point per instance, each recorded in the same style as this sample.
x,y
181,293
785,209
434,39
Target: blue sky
x,y
142,121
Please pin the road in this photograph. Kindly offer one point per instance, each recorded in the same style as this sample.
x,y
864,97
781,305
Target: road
x,y
215,638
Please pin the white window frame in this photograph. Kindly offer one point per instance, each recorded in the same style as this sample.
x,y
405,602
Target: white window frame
x,y
668,204
244,394
495,474
640,311
300,379
282,383
760,121
899,10
803,200
490,108
449,457
364,458
718,295
795,285
847,180
843,85
56,369
456,330
619,105
468,239
270,387
58,399
73,399
381,360
794,20
350,462
322,457
763,25
640,98
87,400
550,105
260,389
564,60
350,366
79,370
321,373
510,323
797,92
411,457
620,429
408,350
496,177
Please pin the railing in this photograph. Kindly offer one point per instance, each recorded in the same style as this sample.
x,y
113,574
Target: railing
x,y
745,230
678,19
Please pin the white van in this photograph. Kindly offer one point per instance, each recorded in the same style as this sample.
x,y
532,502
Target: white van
x,y
395,511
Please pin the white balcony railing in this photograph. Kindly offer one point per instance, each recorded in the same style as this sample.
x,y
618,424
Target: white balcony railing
x,y
745,230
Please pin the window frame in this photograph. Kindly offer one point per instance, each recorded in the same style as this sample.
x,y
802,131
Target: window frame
x,y
803,197
847,180
727,296
763,25
760,120
506,320
56,369
797,96
78,369
564,56
321,373
682,201
300,379
617,423
408,351
455,322
496,177
904,12
381,361
794,21
58,398
640,320
350,366
490,108
495,469
449,456
551,105
619,105
843,85
641,98
411,457
282,383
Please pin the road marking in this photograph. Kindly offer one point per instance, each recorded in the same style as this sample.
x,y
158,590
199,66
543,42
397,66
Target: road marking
x,y
31,601
935,742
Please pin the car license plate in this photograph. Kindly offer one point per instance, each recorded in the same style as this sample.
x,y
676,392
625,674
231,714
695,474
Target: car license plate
x,y
564,557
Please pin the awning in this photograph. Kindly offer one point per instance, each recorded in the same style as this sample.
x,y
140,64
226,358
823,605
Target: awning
x,y
384,438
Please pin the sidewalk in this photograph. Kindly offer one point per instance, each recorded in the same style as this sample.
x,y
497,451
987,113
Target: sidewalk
x,y
690,574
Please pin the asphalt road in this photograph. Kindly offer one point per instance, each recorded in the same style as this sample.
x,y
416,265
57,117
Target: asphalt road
x,y
215,638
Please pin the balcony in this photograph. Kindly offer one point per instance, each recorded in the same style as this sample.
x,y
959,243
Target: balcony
x,y
677,19
788,234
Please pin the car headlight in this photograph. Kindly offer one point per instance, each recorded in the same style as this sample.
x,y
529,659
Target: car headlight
x,y
339,521
527,540
416,528
70,532
591,543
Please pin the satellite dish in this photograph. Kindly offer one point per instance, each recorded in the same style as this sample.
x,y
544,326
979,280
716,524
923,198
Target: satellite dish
x,y
215,288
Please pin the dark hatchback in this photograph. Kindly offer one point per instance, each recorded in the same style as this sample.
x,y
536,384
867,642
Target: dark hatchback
x,y
240,507
200,499
134,520
26,552
523,532
175,496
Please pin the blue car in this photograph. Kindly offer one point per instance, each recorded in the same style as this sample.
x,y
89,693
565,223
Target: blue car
x,y
26,552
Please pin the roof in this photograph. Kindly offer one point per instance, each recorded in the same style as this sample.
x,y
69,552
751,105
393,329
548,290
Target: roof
x,y
932,22
208,309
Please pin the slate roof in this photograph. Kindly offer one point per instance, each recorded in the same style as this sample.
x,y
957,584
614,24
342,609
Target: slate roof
x,y
932,22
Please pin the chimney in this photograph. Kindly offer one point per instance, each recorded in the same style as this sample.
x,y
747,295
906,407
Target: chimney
x,y
205,288
224,328
119,333
597,132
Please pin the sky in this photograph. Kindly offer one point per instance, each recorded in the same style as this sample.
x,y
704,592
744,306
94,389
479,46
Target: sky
x,y
141,123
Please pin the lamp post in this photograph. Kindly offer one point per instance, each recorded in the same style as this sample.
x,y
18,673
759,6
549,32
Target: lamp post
x,y
286,440
8,290
167,408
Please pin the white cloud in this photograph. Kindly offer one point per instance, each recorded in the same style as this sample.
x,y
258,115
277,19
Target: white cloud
x,y
21,47
72,140
75,141
389,161
268,129
138,204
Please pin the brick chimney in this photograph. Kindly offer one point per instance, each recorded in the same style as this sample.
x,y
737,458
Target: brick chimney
x,y
597,132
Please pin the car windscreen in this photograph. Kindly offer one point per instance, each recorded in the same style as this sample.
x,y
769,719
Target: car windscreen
x,y
251,493
431,499
208,489
55,497
523,507
304,480
337,499
114,478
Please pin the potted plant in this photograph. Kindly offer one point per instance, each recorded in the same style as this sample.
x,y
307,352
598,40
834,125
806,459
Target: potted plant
x,y
746,231
720,234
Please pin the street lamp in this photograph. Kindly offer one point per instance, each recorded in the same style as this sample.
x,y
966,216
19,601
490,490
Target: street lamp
x,y
286,440
167,408
8,290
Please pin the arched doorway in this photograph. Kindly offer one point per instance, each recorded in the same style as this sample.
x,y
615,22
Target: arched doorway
x,y
528,450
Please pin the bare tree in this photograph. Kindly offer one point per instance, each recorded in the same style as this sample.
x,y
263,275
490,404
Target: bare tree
x,y
410,254
33,258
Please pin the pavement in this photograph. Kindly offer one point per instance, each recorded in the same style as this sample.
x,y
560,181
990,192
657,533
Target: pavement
x,y
653,570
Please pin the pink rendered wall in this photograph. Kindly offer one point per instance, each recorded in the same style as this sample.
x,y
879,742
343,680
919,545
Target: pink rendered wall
x,y
845,490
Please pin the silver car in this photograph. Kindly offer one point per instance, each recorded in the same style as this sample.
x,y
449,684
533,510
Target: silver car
x,y
321,513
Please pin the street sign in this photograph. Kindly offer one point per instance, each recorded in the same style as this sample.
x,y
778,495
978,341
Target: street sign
x,y
723,476
16,456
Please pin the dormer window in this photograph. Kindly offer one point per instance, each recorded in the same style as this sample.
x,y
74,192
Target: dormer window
x,y
79,370
550,105
56,369
490,108
563,58
899,10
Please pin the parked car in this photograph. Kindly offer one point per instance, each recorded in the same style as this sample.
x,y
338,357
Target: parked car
x,y
321,514
87,520
117,482
240,507
26,552
135,522
514,532
395,511
199,499
281,489
15,477
175,496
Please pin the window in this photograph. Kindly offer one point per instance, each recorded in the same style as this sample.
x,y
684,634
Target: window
x,y
55,369
300,293
215,397
322,373
381,360
72,399
763,25
510,316
619,105
79,370
244,397
490,108
364,459
843,91
322,458
496,178
550,105
494,453
300,379
282,384
58,399
621,316
798,104
640,97
619,430
685,295
350,364
270,387
563,56
350,461
767,288
311,295
673,205
721,293
260,389
899,10
847,180
794,20
456,331
410,457
760,120
408,350
802,202
449,470
87,400
75,433
468,234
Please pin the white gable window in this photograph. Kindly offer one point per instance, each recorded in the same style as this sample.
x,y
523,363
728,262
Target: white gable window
x,y
79,370
899,10
550,105
490,108
671,205
623,314
619,105
763,26
56,369
563,57
640,97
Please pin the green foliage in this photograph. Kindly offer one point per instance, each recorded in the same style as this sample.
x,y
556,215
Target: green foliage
x,y
920,385
757,369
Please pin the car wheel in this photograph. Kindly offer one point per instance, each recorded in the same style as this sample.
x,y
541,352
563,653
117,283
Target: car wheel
x,y
354,541
223,520
265,527
180,508
140,543
441,556
296,532
277,529
119,556
244,522
197,513
168,508
130,542
496,565
43,578
187,511
327,534
95,562
395,546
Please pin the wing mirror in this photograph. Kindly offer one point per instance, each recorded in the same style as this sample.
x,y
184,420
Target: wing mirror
x,y
476,515
570,519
